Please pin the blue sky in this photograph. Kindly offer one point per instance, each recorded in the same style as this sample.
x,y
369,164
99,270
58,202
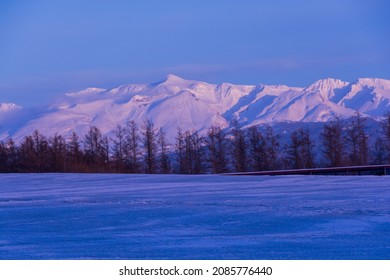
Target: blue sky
x,y
49,47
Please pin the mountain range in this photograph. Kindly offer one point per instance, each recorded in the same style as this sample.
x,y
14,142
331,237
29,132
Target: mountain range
x,y
194,105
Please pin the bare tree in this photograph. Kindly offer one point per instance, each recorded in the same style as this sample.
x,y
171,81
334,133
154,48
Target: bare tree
x,y
8,156
198,143
12,155
293,152
94,148
105,153
57,153
271,148
180,151
133,147
379,153
119,148
257,149
165,165
193,153
40,147
300,149
239,150
150,147
27,155
217,145
75,156
357,140
333,142
307,148
263,149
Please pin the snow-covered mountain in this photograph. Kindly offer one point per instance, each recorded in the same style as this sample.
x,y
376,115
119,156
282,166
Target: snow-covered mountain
x,y
8,114
194,105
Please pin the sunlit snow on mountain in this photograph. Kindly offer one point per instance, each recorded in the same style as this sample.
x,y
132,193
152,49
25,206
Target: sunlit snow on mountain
x,y
194,105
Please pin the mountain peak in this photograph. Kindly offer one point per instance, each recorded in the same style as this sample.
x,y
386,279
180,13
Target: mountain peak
x,y
87,91
173,77
170,78
374,82
327,84
173,80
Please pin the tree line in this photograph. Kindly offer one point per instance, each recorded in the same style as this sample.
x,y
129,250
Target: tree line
x,y
145,149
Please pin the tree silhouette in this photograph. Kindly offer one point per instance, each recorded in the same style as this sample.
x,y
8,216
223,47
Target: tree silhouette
x,y
150,147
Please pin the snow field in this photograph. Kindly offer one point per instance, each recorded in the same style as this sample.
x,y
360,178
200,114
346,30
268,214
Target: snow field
x,y
111,216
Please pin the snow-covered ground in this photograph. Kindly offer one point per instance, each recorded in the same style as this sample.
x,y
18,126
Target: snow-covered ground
x,y
106,216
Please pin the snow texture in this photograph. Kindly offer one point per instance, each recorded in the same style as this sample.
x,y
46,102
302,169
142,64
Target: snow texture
x,y
106,216
194,105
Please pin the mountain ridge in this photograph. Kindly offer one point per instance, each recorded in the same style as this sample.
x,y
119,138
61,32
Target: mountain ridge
x,y
175,102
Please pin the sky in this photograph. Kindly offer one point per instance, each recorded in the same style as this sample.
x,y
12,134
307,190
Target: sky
x,y
51,47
